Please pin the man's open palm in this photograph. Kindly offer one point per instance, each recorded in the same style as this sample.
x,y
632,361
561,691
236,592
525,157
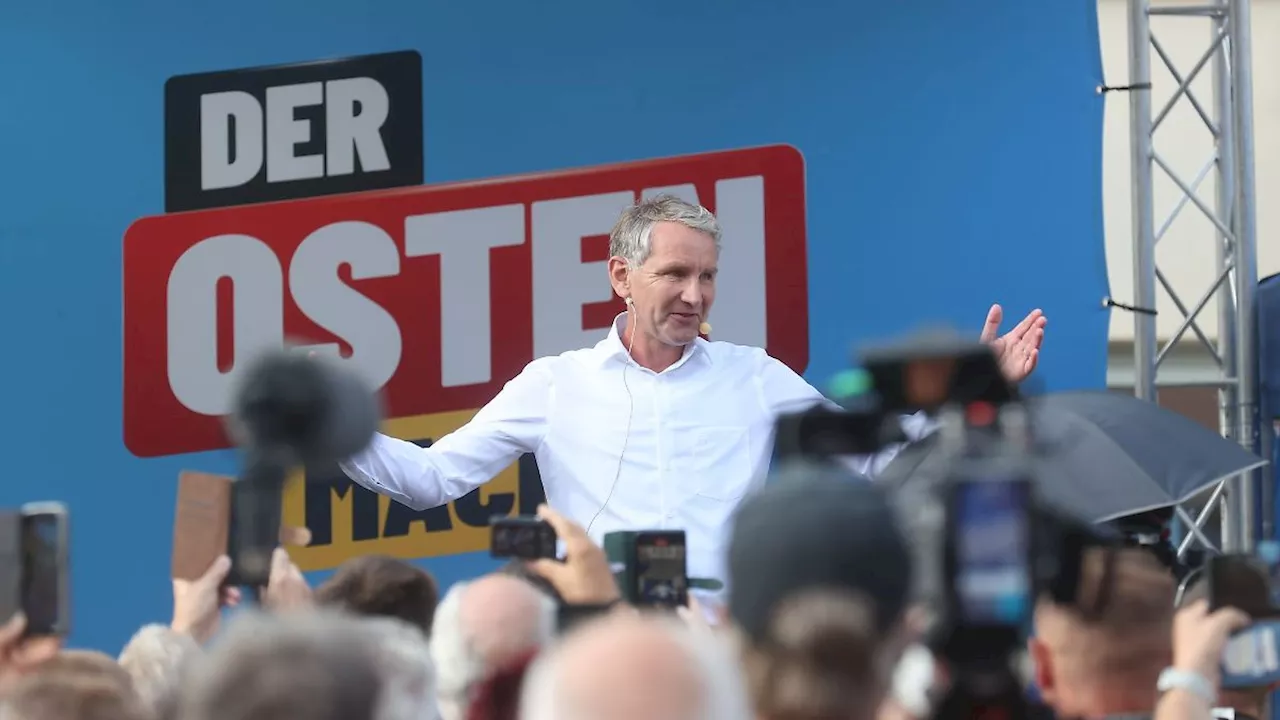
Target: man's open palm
x,y
1018,350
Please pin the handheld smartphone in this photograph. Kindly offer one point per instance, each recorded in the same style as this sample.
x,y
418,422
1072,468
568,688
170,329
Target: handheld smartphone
x,y
1251,658
989,523
1241,582
661,570
10,564
526,538
46,568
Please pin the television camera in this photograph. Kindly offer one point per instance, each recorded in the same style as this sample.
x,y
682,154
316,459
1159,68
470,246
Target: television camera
x,y
987,548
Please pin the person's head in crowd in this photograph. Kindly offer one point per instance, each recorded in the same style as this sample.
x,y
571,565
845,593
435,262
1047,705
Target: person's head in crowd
x,y
1250,702
72,696
156,658
520,569
298,666
378,585
1103,654
822,660
76,685
405,667
820,579
89,664
630,666
480,627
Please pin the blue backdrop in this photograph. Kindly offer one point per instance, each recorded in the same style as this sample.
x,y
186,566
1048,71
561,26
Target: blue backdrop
x,y
953,155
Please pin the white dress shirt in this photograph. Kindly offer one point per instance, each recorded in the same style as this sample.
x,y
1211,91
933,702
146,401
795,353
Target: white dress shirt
x,y
618,446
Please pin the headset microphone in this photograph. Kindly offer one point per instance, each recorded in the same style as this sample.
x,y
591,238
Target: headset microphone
x,y
704,328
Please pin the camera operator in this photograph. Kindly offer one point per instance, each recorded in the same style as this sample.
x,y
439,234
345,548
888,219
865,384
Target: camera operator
x,y
1103,655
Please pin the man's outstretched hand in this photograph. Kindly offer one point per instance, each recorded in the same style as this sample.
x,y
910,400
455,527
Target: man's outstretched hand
x,y
1018,350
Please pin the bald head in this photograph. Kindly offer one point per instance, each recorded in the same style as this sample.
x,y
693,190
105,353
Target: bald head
x,y
627,667
480,627
503,615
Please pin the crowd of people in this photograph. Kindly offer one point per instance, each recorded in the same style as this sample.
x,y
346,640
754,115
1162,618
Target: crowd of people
x,y
820,624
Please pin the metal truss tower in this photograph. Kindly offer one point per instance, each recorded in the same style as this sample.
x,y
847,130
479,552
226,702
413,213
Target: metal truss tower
x,y
1228,118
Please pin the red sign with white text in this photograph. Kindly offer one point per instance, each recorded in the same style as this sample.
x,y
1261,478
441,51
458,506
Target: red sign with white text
x,y
437,294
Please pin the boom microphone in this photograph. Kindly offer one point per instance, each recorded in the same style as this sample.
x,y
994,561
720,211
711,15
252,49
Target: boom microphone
x,y
290,410
306,407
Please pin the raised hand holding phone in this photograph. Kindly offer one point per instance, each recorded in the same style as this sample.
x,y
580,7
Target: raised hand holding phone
x,y
1201,638
583,577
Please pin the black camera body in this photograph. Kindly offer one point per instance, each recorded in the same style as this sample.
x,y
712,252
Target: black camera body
x,y
987,547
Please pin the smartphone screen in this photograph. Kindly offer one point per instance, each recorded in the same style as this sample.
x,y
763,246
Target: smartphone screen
x,y
661,569
991,542
1251,658
522,537
43,572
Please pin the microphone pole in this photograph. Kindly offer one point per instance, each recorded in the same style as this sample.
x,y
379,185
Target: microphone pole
x,y
256,509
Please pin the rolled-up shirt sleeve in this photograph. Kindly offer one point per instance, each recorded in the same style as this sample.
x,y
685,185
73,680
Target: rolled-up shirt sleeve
x,y
510,425
783,391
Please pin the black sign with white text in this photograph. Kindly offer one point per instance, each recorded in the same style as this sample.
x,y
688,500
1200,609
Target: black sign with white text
x,y
256,135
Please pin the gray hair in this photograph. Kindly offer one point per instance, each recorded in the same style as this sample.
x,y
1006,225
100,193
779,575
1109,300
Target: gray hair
x,y
404,665
630,238
156,658
459,656
299,666
725,692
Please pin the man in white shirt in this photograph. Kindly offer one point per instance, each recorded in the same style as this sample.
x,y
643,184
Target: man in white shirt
x,y
654,427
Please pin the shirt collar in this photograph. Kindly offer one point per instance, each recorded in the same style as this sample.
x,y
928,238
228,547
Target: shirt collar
x,y
611,347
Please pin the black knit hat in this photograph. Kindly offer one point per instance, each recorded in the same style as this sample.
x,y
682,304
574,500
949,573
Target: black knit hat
x,y
816,527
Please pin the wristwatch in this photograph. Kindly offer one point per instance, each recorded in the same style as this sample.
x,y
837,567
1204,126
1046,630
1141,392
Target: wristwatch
x,y
1193,682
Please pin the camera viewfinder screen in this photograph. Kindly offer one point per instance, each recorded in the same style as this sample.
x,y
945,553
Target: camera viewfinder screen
x,y
660,570
993,580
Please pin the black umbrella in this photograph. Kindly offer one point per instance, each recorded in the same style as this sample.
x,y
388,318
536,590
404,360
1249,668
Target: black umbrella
x,y
1103,455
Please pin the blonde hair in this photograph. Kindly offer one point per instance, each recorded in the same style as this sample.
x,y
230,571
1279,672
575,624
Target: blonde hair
x,y
156,658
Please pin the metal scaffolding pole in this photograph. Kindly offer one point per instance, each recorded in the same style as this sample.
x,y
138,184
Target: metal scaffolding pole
x,y
1229,121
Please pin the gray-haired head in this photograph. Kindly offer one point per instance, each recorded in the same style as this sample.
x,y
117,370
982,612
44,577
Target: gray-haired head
x,y
630,238
157,658
403,661
304,666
